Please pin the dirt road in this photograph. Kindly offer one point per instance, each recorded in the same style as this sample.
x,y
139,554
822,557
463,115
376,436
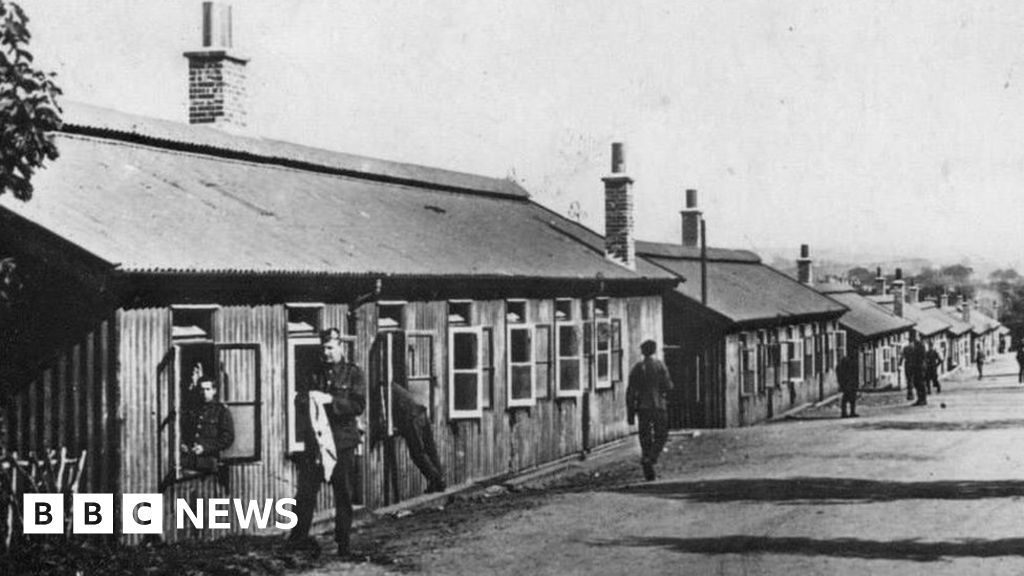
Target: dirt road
x,y
901,490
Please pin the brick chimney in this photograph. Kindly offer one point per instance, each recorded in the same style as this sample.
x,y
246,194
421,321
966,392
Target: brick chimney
x,y
691,220
944,299
898,293
619,243
879,282
216,73
913,293
804,271
965,310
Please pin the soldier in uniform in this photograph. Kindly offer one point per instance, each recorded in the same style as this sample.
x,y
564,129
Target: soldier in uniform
x,y
932,361
913,368
647,402
846,371
339,386
413,423
208,429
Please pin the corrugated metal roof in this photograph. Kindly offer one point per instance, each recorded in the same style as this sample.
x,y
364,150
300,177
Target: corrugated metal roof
x,y
150,209
92,120
662,250
956,324
866,317
746,291
982,323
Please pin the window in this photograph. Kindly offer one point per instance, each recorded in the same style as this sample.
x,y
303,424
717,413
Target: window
x,y
762,362
841,350
390,315
542,360
616,346
603,355
808,357
460,312
521,366
563,311
796,359
830,351
515,312
194,355
466,374
748,366
568,351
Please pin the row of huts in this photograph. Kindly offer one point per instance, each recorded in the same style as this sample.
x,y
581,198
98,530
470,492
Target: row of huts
x,y
155,250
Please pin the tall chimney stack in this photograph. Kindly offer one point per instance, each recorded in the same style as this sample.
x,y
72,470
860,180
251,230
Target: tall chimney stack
x,y
804,272
898,295
691,220
965,310
913,292
943,299
216,73
879,282
619,243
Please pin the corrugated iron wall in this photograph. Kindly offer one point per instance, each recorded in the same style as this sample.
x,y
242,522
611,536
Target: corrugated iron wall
x,y
72,403
500,442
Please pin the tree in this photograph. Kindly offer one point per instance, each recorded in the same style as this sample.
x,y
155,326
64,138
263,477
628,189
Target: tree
x,y
29,113
861,276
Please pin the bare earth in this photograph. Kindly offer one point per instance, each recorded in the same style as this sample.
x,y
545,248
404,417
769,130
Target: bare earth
x,y
901,490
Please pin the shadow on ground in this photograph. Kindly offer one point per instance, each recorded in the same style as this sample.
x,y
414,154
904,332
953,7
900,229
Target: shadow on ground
x,y
825,490
914,550
941,426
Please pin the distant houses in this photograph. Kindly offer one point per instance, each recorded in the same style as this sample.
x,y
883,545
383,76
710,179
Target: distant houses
x,y
744,342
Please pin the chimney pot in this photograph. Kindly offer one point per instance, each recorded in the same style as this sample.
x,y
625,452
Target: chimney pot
x,y
691,199
803,266
805,251
216,73
618,158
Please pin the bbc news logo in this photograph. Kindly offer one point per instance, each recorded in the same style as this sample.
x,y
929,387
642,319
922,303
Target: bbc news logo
x,y
144,513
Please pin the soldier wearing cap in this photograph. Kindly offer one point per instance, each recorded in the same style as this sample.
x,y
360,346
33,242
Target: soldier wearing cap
x,y
339,386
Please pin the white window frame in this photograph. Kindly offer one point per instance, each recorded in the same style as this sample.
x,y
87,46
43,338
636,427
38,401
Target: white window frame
x,y
294,444
559,392
796,352
748,363
842,350
478,412
532,363
606,382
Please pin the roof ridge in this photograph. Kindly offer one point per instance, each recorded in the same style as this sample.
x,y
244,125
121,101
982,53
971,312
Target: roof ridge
x,y
169,135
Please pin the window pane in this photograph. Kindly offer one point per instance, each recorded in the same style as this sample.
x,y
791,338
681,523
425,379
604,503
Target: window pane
x,y
244,418
569,374
568,341
543,383
520,346
465,345
604,336
602,366
522,383
466,391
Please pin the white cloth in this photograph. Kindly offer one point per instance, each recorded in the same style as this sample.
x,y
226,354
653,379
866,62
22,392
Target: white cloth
x,y
324,437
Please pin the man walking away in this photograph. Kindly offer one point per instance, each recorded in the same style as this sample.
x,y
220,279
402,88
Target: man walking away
x,y
848,376
979,360
647,402
932,361
1020,363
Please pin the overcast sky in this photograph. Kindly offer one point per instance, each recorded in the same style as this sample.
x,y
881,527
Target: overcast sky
x,y
894,127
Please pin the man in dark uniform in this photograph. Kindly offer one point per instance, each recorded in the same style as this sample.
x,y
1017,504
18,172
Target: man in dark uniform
x,y
846,371
932,361
413,423
340,387
913,368
208,429
647,401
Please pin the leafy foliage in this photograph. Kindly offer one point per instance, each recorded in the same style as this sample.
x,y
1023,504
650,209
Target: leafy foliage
x,y
29,112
